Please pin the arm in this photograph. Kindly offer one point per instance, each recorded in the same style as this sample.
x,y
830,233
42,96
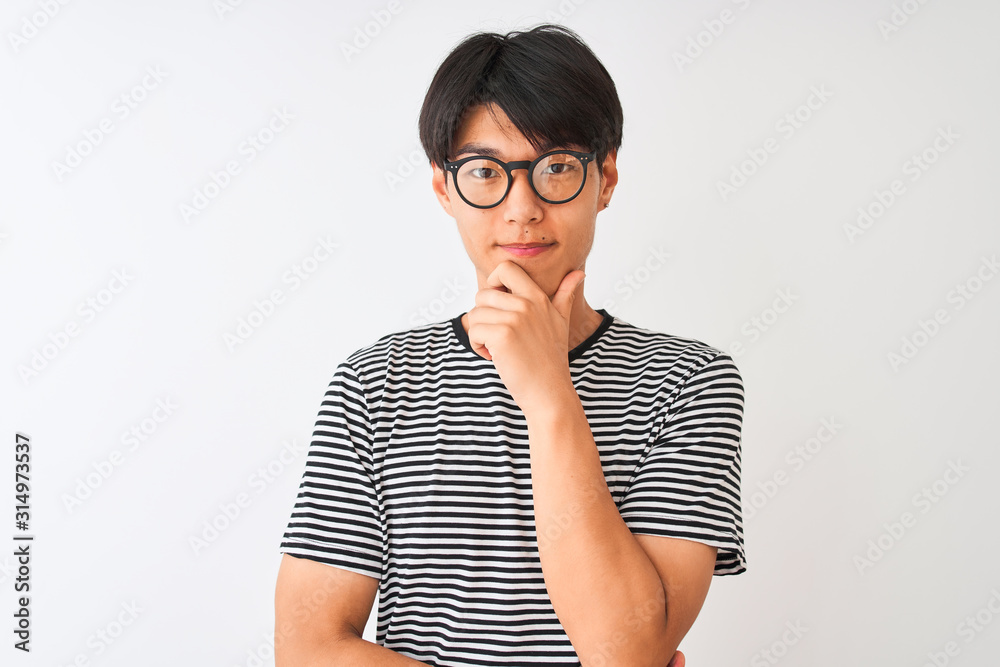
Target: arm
x,y
686,569
320,612
622,599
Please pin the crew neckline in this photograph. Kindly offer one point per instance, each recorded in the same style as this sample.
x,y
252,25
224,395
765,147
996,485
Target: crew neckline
x,y
575,353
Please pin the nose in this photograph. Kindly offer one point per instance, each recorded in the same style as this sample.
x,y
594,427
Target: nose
x,y
521,204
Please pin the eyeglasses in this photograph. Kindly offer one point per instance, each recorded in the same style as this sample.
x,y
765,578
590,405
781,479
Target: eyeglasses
x,y
556,177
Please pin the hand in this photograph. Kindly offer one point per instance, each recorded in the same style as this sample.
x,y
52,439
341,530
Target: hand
x,y
677,660
524,333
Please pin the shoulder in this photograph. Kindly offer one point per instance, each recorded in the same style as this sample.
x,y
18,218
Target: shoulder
x,y
676,354
683,369
415,346
400,356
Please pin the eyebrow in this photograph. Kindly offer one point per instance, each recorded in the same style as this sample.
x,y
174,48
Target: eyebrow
x,y
489,151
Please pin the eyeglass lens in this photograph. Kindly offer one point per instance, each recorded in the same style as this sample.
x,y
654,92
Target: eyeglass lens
x,y
556,178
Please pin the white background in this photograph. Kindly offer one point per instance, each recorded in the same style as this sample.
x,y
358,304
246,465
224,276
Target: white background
x,y
889,87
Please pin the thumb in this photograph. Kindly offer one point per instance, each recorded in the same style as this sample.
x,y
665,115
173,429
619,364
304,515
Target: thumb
x,y
565,295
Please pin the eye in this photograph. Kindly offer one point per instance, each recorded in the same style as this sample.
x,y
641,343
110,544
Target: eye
x,y
483,172
559,168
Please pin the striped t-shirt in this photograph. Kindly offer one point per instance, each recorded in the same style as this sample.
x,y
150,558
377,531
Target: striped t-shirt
x,y
419,475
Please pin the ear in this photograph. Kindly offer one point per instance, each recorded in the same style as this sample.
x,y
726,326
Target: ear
x,y
439,183
609,179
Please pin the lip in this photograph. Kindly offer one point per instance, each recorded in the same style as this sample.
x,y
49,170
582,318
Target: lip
x,y
527,249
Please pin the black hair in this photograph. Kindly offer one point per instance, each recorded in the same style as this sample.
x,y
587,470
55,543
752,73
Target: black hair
x,y
546,79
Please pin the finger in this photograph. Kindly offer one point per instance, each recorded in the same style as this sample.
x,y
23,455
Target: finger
x,y
497,300
478,345
482,351
566,294
508,275
485,334
492,315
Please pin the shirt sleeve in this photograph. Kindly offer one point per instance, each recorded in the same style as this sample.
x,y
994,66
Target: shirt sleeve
x,y
336,518
688,484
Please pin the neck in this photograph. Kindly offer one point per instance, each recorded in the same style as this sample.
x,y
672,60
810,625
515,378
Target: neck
x,y
583,321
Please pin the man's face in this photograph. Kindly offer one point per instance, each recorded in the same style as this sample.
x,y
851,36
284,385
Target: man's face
x,y
523,218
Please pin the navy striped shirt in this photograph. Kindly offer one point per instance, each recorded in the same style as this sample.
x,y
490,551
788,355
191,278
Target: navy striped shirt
x,y
419,475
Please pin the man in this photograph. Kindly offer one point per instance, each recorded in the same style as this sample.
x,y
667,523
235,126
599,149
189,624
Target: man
x,y
533,481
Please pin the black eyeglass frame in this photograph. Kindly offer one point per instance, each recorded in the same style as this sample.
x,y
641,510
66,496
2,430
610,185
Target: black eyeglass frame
x,y
508,167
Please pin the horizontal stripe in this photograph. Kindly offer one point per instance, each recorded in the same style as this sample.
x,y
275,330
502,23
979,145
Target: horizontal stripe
x,y
419,475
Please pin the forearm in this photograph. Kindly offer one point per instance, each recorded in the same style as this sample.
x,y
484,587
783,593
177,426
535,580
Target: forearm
x,y
605,591
357,651
348,650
